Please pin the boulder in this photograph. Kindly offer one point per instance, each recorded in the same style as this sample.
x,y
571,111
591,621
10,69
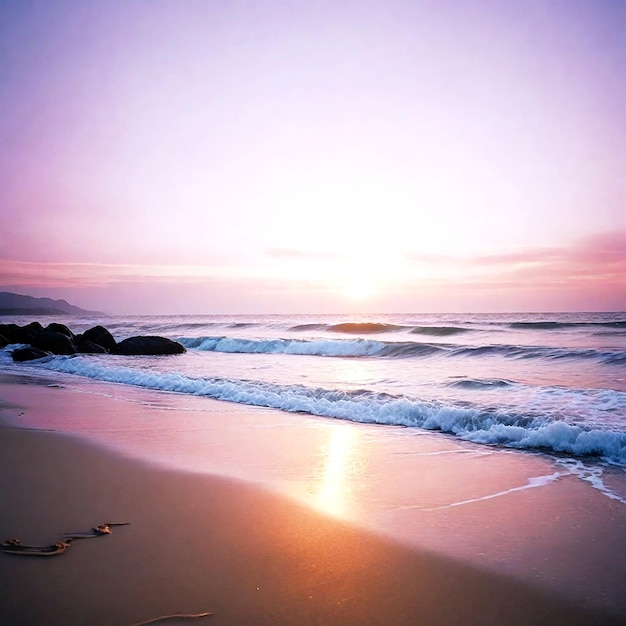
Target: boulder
x,y
12,332
60,328
55,342
20,334
149,345
85,346
28,354
30,331
101,336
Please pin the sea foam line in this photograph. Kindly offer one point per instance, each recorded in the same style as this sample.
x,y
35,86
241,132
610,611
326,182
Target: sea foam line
x,y
592,475
536,481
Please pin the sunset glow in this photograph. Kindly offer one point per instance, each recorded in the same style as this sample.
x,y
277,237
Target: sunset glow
x,y
198,157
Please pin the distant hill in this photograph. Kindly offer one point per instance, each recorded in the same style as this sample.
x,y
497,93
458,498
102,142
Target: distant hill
x,y
16,304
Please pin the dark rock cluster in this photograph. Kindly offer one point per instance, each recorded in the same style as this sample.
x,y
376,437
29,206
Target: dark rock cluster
x,y
59,339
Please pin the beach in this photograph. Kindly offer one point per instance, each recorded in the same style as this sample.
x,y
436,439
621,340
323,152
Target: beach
x,y
200,542
312,313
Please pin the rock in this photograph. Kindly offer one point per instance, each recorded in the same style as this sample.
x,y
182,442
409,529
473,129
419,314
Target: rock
x,y
85,346
60,328
11,332
30,331
101,336
28,354
59,339
55,342
4,342
20,334
149,345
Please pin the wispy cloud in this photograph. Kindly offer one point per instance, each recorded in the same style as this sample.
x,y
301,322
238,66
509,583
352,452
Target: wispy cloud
x,y
588,274
529,256
600,257
44,275
292,254
603,249
426,258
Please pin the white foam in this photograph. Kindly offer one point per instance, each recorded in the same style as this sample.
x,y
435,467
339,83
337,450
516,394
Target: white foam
x,y
533,483
591,474
322,347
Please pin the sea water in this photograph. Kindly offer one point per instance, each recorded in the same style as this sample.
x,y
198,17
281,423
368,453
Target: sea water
x,y
551,383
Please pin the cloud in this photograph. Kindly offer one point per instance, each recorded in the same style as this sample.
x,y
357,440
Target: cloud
x,y
601,256
47,275
291,254
430,259
589,274
602,249
529,256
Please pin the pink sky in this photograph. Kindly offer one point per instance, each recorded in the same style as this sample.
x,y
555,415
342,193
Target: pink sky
x,y
187,156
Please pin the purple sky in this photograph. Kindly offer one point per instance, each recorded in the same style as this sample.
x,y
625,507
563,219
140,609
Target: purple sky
x,y
188,156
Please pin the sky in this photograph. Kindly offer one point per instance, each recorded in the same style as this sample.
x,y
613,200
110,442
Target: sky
x,y
340,156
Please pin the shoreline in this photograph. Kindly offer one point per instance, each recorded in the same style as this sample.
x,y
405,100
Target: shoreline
x,y
200,542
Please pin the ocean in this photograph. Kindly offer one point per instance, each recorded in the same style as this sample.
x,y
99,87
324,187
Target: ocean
x,y
552,384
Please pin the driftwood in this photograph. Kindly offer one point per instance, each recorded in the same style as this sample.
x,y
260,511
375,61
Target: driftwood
x,y
15,546
164,618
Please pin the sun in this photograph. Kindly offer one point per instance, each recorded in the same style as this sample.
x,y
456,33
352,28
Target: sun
x,y
359,289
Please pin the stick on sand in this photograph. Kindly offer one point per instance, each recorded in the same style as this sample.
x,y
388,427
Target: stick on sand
x,y
164,618
15,546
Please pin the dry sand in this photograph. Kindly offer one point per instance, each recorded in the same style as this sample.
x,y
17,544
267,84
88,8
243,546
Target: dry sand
x,y
200,543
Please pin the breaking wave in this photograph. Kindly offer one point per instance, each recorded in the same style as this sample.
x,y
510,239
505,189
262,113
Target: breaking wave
x,y
314,347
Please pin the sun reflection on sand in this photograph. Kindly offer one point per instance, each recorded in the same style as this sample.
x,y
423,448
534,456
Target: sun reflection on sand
x,y
339,473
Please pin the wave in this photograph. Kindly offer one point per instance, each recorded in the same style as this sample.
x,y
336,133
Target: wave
x,y
439,331
617,358
360,347
242,325
304,327
151,327
312,347
356,328
609,333
535,432
547,325
480,383
610,357
188,325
